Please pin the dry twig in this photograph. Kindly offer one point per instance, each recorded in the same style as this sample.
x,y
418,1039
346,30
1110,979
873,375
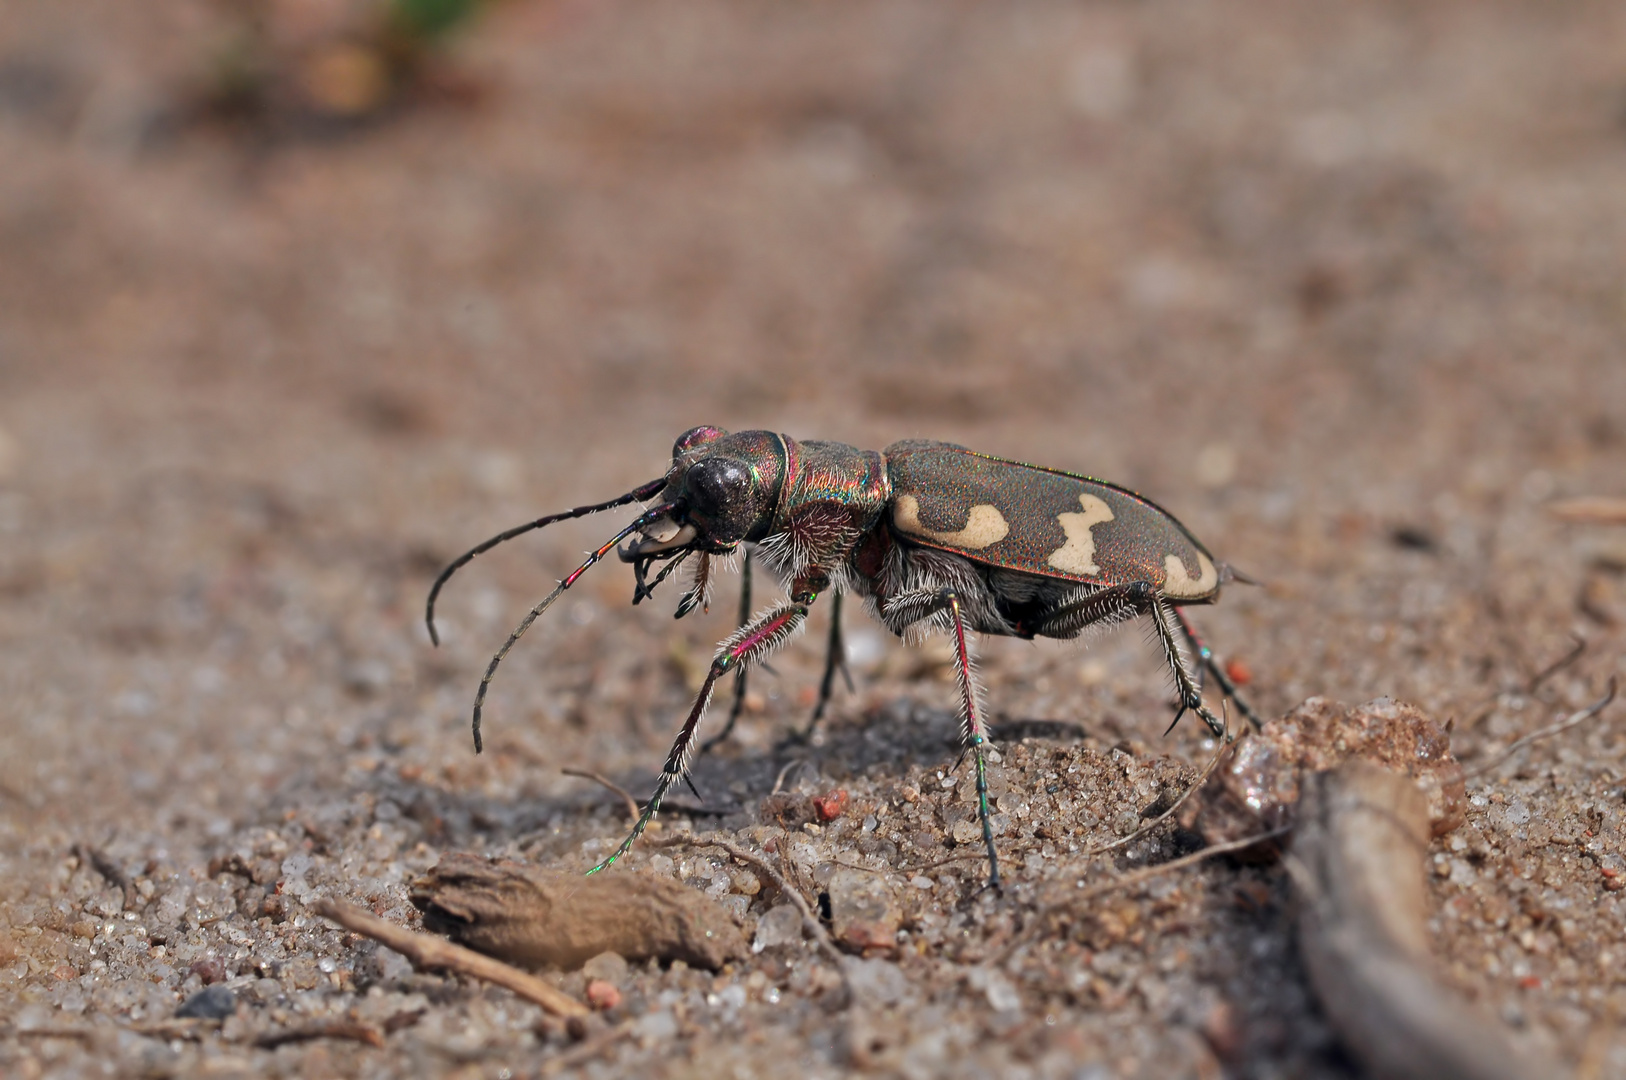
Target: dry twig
x,y
1590,510
779,781
589,1049
353,1030
1202,778
427,952
814,928
1146,873
1577,717
83,1034
633,809
1492,702
178,1028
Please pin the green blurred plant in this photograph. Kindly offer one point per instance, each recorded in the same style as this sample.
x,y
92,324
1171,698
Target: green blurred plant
x,y
355,68
429,20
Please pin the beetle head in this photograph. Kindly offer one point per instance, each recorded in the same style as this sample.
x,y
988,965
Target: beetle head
x,y
724,489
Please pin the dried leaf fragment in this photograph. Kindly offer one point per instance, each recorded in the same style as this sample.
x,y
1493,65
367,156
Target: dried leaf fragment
x,y
537,918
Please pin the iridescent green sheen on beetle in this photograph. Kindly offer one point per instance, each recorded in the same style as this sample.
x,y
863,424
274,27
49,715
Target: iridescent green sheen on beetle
x,y
931,536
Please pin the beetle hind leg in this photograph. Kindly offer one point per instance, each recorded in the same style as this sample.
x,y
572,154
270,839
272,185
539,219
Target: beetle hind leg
x,y
1191,698
1207,659
1104,607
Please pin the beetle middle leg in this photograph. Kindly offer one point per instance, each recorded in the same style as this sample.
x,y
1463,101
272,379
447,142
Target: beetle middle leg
x,y
835,659
746,646
927,604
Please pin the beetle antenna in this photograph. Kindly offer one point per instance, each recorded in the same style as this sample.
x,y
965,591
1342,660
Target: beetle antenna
x,y
654,514
637,494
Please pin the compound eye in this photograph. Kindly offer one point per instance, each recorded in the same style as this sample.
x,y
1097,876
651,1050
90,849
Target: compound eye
x,y
718,488
697,436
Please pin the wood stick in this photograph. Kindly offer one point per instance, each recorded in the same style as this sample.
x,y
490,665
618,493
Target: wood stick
x,y
633,809
333,1029
428,952
812,925
1357,865
1147,873
591,1048
1547,732
1202,778
1590,510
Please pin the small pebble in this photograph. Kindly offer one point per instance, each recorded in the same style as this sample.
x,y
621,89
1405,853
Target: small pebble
x,y
607,967
780,926
831,806
210,1003
602,995
211,971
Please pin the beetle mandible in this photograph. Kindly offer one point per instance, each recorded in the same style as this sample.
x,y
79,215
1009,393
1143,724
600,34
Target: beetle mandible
x,y
932,536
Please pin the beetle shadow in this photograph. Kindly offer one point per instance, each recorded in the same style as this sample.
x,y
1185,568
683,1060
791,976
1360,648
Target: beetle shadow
x,y
885,741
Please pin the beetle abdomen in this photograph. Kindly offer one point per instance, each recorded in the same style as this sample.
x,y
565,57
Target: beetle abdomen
x,y
1040,521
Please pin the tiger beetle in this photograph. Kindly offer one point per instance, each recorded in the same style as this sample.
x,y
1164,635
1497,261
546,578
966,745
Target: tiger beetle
x,y
932,536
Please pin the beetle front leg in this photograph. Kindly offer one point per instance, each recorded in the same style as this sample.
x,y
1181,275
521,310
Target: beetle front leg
x,y
748,645
741,672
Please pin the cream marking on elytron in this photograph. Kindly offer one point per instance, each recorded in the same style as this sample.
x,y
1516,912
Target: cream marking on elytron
x,y
984,526
1077,556
1177,583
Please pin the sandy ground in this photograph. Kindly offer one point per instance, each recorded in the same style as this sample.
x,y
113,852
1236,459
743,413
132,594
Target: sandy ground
x,y
1339,284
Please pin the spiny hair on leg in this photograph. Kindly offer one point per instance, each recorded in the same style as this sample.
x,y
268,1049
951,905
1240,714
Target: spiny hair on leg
x,y
1169,648
771,643
1063,629
966,681
698,594
916,572
678,766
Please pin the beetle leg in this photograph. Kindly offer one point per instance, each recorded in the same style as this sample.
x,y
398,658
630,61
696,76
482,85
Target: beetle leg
x,y
746,646
923,604
973,729
1118,602
1102,607
835,657
1190,697
1227,687
742,671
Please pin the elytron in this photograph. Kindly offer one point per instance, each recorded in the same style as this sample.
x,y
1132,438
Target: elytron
x,y
931,536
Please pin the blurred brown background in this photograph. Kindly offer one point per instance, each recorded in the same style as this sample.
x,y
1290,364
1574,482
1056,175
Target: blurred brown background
x,y
296,302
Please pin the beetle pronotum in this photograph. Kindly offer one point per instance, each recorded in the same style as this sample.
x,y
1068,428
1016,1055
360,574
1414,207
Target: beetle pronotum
x,y
932,536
